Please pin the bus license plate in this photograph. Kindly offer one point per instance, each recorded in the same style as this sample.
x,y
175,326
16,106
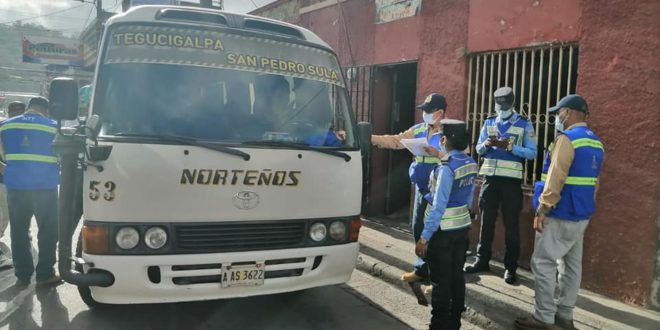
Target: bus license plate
x,y
243,275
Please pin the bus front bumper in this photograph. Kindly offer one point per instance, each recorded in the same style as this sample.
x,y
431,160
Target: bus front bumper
x,y
192,277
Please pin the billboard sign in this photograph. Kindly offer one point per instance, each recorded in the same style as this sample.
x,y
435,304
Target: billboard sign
x,y
392,10
47,50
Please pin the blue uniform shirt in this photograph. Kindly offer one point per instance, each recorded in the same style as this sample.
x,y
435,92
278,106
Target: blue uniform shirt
x,y
440,199
528,148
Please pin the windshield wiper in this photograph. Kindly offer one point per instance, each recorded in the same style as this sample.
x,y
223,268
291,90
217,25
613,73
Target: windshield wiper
x,y
187,141
298,146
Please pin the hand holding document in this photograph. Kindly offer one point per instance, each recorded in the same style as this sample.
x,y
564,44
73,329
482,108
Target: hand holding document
x,y
416,146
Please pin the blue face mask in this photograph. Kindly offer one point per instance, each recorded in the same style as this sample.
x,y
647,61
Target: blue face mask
x,y
428,118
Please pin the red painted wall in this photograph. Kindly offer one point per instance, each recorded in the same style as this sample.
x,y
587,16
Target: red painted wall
x,y
507,24
619,75
355,47
442,63
370,43
397,41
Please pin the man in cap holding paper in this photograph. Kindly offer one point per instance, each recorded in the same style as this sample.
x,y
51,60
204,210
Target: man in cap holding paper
x,y
446,223
433,108
506,140
565,200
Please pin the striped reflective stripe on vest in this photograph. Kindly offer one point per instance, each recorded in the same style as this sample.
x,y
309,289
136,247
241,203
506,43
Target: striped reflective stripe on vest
x,y
587,142
455,218
420,129
465,170
427,160
576,180
35,127
31,157
501,167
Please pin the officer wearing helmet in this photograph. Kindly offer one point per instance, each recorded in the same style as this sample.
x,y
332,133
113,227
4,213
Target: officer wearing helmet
x,y
506,141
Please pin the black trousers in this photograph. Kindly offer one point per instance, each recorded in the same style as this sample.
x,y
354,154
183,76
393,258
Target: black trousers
x,y
506,192
445,258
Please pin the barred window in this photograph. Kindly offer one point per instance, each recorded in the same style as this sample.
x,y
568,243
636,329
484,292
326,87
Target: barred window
x,y
539,76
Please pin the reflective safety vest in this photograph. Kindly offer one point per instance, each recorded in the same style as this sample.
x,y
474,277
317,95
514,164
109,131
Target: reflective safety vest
x,y
457,212
31,163
577,200
498,162
422,167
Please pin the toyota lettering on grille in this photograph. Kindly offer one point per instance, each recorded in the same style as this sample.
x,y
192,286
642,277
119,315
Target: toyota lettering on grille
x,y
246,200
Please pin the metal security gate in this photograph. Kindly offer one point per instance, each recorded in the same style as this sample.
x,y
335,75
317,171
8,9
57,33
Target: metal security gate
x,y
359,84
539,76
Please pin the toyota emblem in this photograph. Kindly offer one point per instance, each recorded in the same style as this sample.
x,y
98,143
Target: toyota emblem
x,y
246,200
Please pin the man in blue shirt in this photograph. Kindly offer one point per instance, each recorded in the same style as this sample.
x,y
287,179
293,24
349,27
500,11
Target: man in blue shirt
x,y
565,200
505,142
447,220
31,175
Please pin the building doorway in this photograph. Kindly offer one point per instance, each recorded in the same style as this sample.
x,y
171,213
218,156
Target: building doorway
x,y
394,90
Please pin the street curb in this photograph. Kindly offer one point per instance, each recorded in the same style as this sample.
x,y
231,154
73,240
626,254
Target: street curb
x,y
392,275
387,273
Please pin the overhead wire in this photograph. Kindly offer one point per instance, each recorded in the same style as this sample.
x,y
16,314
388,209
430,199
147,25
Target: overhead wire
x,y
347,35
43,15
87,20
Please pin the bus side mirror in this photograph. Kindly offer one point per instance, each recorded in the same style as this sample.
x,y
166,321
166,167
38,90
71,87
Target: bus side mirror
x,y
364,131
63,97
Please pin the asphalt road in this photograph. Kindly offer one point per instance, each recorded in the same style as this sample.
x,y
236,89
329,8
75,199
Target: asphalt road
x,y
334,307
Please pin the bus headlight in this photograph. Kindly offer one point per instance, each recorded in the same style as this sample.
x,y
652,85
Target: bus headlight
x,y
337,230
127,238
155,237
318,231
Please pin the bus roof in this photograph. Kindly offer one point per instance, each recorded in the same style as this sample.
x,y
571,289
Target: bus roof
x,y
228,19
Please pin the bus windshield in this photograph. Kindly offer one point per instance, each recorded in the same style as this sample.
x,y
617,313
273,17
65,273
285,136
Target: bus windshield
x,y
217,87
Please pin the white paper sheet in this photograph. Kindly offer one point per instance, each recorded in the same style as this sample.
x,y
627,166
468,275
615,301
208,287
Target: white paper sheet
x,y
416,146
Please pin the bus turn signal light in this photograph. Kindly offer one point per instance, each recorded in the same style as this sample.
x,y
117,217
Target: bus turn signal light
x,y
95,239
356,223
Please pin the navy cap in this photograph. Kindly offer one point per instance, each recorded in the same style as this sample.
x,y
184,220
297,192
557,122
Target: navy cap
x,y
433,102
571,101
453,128
38,100
504,98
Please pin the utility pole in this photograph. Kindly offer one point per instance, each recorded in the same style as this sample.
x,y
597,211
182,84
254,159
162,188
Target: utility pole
x,y
99,20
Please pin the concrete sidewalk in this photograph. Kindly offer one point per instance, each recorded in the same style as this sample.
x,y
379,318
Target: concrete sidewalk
x,y
387,252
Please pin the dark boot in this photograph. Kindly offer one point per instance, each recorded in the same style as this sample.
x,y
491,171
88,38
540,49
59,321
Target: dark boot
x,y
477,267
510,276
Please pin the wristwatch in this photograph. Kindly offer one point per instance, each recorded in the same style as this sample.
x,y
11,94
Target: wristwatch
x,y
423,241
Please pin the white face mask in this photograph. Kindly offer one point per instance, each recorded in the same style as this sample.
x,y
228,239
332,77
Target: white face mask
x,y
504,114
428,118
559,124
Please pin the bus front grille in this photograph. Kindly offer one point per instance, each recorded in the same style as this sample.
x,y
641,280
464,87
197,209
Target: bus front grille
x,y
233,237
